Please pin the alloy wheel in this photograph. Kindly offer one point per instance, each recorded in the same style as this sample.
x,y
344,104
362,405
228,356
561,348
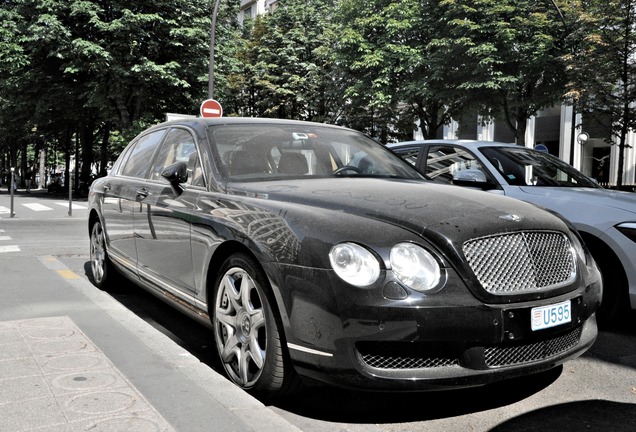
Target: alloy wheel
x,y
98,254
240,327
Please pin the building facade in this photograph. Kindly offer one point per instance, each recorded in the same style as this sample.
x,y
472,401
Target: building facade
x,y
252,8
552,129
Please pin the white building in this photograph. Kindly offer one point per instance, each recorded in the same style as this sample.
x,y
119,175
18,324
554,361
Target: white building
x,y
552,128
252,8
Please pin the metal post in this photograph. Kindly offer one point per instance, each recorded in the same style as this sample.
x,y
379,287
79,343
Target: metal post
x,y
70,185
212,42
572,133
70,194
11,183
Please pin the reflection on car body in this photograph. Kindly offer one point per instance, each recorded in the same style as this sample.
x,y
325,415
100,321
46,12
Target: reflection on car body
x,y
313,252
606,219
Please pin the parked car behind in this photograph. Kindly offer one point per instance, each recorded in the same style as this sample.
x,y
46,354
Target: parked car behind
x,y
605,218
312,251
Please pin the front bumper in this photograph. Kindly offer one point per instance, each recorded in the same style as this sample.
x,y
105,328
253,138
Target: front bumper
x,y
358,338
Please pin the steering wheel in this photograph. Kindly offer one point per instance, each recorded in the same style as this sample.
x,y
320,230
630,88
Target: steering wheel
x,y
347,168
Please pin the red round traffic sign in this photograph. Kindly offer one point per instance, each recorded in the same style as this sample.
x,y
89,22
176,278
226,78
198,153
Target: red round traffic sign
x,y
211,108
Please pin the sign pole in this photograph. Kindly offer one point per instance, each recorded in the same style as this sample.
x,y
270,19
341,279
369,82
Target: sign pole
x,y
212,43
12,189
70,185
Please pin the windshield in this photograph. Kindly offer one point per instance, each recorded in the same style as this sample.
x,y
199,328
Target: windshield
x,y
527,167
271,151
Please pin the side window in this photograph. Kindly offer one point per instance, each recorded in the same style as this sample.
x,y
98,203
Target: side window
x,y
444,162
408,154
179,146
141,153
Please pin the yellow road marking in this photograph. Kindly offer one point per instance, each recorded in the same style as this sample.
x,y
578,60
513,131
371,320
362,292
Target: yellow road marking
x,y
68,274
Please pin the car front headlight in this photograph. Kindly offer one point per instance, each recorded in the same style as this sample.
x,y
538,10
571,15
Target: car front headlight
x,y
415,267
579,248
628,229
354,264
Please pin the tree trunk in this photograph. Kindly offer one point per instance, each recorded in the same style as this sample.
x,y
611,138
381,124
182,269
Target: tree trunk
x,y
103,157
42,182
522,125
86,142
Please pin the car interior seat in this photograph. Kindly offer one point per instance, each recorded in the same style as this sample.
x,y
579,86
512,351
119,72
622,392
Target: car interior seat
x,y
293,163
244,162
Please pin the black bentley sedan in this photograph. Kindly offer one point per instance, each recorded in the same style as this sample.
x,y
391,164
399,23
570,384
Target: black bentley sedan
x,y
314,253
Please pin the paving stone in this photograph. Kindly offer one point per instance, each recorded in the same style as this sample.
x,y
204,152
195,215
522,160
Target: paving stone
x,y
54,379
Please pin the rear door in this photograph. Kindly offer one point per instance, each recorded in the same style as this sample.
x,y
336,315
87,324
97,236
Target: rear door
x,y
121,197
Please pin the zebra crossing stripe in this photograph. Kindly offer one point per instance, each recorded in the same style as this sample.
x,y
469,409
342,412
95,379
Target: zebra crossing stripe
x,y
75,206
10,248
37,207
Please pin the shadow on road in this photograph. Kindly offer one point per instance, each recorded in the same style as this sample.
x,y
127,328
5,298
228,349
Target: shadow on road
x,y
342,406
590,415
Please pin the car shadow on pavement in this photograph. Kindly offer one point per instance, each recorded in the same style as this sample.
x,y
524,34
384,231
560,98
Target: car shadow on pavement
x,y
184,331
344,406
590,415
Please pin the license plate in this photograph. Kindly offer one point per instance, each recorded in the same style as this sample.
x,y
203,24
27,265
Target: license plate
x,y
551,316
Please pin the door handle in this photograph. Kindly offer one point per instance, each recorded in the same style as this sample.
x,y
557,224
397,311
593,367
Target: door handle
x,y
142,193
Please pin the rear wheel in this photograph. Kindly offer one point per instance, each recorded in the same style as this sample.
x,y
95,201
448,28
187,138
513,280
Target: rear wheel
x,y
248,331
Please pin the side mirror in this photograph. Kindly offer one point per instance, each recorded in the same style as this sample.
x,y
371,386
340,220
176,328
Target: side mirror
x,y
470,177
176,174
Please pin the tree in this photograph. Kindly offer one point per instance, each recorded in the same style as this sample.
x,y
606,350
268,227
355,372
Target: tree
x,y
286,69
13,59
100,65
610,53
399,64
515,53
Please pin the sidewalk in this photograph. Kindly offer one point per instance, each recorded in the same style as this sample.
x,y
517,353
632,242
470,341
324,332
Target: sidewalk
x,y
74,359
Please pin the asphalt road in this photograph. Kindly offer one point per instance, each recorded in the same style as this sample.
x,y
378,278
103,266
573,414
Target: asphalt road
x,y
596,392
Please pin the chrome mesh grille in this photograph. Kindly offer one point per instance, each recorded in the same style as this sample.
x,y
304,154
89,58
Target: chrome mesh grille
x,y
498,356
521,262
400,356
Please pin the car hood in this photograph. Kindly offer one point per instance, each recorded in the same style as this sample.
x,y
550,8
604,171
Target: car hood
x,y
455,213
625,201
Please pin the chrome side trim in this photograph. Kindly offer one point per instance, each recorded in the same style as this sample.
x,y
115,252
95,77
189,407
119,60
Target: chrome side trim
x,y
308,350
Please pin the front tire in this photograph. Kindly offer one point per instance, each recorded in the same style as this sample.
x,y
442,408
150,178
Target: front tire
x,y
247,330
615,303
100,264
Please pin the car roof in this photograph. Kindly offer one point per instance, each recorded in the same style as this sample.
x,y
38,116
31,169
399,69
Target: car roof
x,y
205,122
459,142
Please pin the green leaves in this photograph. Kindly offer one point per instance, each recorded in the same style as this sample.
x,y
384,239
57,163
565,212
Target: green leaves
x,y
285,65
79,67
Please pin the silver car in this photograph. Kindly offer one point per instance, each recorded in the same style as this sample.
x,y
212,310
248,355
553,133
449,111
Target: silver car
x,y
605,218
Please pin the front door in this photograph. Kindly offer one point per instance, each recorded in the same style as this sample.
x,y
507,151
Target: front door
x,y
163,217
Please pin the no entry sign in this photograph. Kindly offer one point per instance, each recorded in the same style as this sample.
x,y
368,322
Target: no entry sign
x,y
211,108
